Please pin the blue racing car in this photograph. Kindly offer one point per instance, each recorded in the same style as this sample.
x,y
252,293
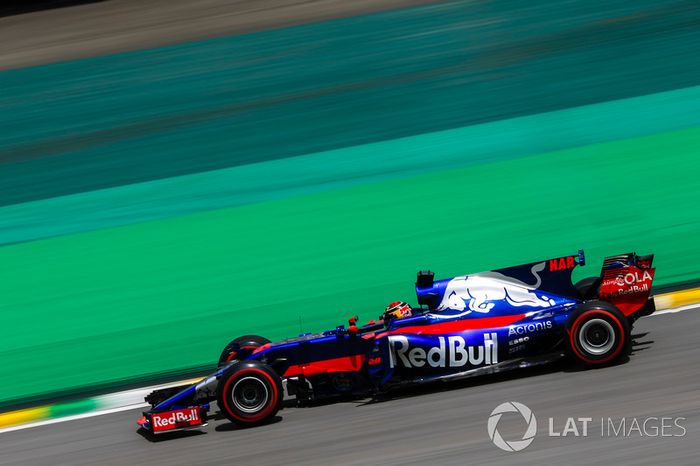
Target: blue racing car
x,y
467,325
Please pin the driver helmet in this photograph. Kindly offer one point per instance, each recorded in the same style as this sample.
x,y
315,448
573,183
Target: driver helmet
x,y
397,310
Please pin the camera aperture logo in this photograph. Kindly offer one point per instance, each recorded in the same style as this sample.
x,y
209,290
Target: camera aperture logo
x,y
512,407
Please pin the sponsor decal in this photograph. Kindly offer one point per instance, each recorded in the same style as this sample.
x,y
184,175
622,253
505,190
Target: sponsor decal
x,y
176,419
629,281
529,328
517,341
480,292
563,263
452,351
627,288
635,289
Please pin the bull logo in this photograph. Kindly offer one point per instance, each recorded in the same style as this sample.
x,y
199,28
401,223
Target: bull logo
x,y
479,292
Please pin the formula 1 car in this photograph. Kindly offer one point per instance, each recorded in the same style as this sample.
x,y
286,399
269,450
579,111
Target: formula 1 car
x,y
467,325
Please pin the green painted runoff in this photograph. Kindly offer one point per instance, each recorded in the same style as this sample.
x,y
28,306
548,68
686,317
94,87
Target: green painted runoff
x,y
138,299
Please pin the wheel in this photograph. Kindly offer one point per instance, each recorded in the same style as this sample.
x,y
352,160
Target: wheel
x,y
598,333
588,288
246,343
249,393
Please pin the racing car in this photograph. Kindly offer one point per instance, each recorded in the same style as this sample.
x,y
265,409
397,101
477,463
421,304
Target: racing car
x,y
464,326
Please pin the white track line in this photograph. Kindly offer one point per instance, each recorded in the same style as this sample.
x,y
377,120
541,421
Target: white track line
x,y
139,391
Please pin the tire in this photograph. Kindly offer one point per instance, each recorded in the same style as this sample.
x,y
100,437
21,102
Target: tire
x,y
588,288
246,341
249,393
598,334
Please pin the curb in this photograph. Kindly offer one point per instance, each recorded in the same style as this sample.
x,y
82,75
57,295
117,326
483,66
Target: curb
x,y
677,298
132,399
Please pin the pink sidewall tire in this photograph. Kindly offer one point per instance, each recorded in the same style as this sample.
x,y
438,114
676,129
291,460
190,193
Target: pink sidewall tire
x,y
249,393
598,334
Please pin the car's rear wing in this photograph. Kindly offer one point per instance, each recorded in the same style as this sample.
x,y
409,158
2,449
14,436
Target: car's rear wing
x,y
626,282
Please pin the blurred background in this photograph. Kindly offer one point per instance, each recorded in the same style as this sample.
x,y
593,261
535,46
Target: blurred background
x,y
174,174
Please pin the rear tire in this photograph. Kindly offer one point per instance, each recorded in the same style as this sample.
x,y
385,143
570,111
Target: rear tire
x,y
598,334
232,350
249,393
588,288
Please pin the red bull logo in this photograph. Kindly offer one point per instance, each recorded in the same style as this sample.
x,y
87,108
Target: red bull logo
x,y
176,419
451,351
481,292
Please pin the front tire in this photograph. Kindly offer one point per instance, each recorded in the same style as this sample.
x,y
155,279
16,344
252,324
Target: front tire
x,y
598,334
249,393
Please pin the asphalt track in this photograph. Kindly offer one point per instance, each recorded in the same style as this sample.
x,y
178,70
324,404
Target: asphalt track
x,y
445,424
